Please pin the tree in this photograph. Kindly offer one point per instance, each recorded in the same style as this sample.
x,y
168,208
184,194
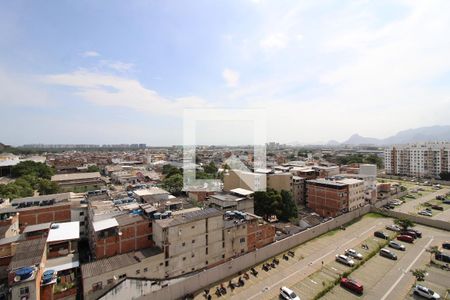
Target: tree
x,y
210,168
288,207
419,274
445,175
29,167
173,184
433,251
272,202
93,169
46,187
404,223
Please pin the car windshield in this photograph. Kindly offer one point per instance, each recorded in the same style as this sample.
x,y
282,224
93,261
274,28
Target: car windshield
x,y
293,295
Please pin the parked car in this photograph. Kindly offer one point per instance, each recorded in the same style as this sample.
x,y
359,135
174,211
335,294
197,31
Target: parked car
x,y
343,259
381,235
425,213
387,253
446,201
353,253
425,292
352,285
440,197
442,257
446,245
410,233
288,294
437,207
406,238
397,246
417,232
394,227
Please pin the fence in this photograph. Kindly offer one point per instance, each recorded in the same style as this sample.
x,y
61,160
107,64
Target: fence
x,y
232,267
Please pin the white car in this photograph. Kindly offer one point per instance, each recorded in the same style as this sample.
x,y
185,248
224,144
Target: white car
x,y
425,213
288,294
426,292
343,259
394,227
353,253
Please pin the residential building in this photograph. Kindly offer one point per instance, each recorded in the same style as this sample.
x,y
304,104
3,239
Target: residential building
x,y
190,241
330,198
237,199
418,160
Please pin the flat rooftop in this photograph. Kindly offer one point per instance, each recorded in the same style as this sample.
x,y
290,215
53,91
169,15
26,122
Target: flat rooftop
x,y
64,231
76,176
189,217
150,191
242,192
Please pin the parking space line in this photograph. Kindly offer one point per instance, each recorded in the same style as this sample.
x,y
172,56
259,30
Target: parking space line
x,y
407,270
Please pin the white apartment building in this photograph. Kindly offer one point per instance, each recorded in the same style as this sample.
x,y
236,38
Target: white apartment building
x,y
418,160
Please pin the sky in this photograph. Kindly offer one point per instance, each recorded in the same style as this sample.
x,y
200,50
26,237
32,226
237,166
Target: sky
x,y
103,72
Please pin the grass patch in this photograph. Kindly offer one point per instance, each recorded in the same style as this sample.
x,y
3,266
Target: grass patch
x,y
373,215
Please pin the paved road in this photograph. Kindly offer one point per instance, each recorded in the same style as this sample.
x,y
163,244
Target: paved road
x,y
410,206
322,249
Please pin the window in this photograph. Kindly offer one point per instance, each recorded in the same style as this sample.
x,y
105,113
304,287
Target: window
x,y
150,237
223,255
167,263
206,262
138,272
193,255
193,241
183,244
82,223
81,213
193,226
184,258
145,270
95,287
109,281
242,240
122,276
161,264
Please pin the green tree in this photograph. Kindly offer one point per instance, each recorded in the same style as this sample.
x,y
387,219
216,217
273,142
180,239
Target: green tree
x,y
93,169
29,167
46,187
210,168
419,274
288,207
404,223
445,175
173,184
433,251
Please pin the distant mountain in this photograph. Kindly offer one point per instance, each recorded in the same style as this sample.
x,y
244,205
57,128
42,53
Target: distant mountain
x,y
422,134
332,143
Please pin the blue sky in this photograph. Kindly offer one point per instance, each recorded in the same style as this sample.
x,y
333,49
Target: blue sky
x,y
116,72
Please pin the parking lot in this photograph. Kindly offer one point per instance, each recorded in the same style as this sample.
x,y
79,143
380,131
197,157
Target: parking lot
x,y
382,278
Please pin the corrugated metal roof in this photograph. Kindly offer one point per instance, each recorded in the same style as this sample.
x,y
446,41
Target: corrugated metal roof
x,y
28,253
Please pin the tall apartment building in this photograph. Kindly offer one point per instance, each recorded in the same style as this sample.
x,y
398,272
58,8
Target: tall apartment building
x,y
190,241
330,198
418,160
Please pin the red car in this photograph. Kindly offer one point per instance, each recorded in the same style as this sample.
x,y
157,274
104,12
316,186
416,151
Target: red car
x,y
352,285
406,238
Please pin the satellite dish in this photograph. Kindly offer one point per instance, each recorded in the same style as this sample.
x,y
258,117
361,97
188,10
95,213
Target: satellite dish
x,y
16,278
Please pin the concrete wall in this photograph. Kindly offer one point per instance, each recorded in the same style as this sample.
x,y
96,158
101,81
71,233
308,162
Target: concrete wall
x,y
218,273
416,219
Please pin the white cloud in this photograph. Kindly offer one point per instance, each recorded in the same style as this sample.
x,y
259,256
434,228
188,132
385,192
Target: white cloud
x,y
90,54
117,65
110,90
274,41
231,77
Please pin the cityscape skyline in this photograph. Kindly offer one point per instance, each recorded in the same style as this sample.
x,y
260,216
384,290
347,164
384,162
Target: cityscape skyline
x,y
73,71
